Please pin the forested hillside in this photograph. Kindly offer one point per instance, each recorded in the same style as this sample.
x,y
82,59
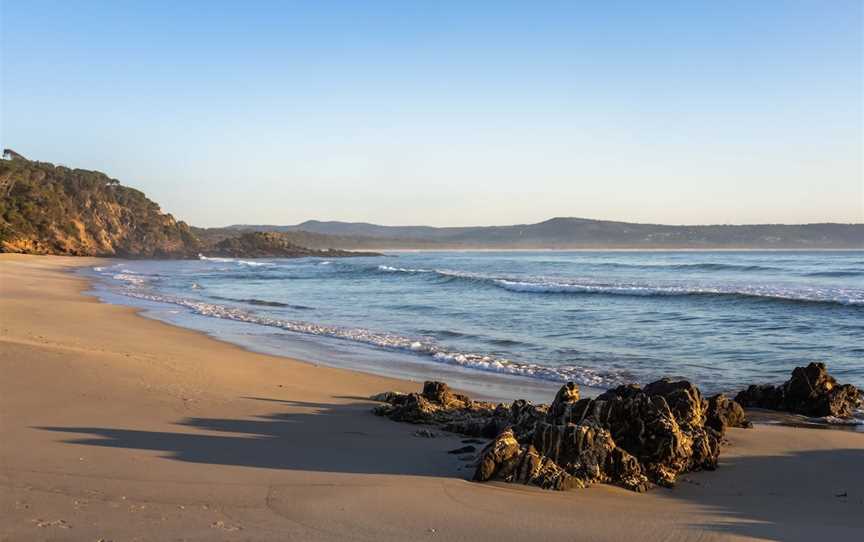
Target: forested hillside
x,y
48,209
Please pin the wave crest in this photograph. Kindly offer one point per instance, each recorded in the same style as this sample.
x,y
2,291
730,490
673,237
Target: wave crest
x,y
555,285
582,375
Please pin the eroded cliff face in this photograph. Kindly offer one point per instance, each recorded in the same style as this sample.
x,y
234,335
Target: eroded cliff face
x,y
48,209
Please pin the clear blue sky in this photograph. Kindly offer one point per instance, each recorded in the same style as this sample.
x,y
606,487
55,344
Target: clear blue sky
x,y
448,113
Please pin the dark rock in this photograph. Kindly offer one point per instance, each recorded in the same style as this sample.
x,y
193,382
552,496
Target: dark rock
x,y
647,428
810,391
538,470
624,391
463,450
269,244
723,412
567,395
589,453
524,415
499,458
439,392
683,398
628,436
762,396
505,459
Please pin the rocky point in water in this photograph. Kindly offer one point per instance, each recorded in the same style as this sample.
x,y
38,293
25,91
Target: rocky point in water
x,y
810,391
629,436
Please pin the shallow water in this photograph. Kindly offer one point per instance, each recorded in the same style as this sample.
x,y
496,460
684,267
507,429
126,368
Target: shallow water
x,y
525,320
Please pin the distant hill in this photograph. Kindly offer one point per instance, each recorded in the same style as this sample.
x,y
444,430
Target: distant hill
x,y
564,233
48,209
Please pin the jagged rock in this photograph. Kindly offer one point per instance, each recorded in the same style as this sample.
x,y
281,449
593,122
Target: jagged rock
x,y
499,458
762,396
505,459
589,453
810,391
538,470
723,412
524,416
566,396
439,392
683,398
411,408
628,436
624,391
646,427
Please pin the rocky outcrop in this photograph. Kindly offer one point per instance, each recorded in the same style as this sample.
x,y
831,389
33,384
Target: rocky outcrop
x,y
629,436
271,245
810,391
723,412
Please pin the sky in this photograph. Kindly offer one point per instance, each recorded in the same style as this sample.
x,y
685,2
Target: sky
x,y
448,113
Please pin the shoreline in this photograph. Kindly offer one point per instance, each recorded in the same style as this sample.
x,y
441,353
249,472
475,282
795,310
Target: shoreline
x,y
122,426
482,385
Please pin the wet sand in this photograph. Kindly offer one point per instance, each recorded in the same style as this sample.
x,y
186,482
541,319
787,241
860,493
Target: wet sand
x,y
118,427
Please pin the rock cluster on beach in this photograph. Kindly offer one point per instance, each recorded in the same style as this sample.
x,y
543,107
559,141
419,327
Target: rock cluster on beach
x,y
810,391
629,436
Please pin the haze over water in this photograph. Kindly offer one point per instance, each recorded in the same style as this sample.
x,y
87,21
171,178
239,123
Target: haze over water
x,y
721,319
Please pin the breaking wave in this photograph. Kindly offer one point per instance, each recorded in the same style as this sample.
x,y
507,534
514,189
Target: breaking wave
x,y
235,260
546,285
582,375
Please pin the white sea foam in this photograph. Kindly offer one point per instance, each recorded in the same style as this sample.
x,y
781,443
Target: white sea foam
x,y
581,375
391,269
834,420
234,260
131,278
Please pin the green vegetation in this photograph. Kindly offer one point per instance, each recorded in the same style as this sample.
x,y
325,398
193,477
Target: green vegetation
x,y
48,209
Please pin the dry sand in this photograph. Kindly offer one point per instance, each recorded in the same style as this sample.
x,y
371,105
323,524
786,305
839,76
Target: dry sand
x,y
117,427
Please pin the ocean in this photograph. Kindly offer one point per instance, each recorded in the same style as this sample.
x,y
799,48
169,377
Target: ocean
x,y
519,323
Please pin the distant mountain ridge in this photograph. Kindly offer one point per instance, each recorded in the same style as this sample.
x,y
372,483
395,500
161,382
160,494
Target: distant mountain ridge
x,y
48,209
583,233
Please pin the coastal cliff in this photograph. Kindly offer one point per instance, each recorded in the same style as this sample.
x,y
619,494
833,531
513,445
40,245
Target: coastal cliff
x,y
50,209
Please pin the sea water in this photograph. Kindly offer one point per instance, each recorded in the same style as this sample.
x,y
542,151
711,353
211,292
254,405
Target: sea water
x,y
519,322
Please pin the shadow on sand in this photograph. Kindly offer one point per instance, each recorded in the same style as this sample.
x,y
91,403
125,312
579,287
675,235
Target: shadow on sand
x,y
795,496
779,497
328,438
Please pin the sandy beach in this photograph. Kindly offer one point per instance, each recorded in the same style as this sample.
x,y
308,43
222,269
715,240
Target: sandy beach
x,y
118,427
